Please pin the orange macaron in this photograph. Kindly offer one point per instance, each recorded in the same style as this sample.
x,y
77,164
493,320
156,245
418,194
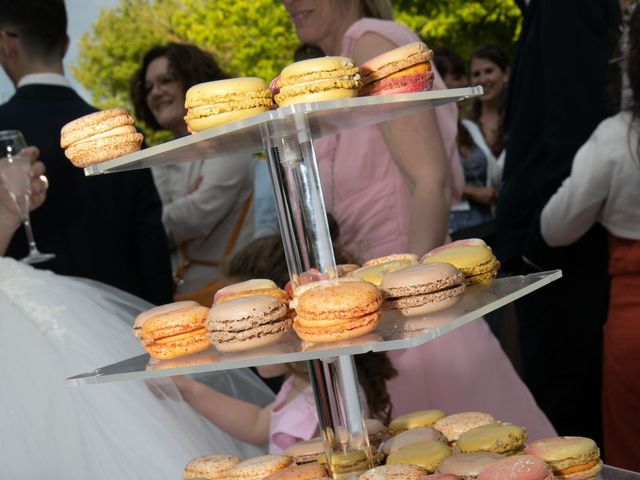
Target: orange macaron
x,y
337,310
174,330
211,467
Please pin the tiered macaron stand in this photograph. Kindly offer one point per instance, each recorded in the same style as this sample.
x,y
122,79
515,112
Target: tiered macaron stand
x,y
287,135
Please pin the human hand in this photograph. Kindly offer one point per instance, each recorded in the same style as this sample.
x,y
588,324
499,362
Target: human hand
x,y
486,196
10,217
195,185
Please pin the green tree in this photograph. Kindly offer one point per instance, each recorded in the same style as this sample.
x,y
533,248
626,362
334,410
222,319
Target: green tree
x,y
462,24
255,37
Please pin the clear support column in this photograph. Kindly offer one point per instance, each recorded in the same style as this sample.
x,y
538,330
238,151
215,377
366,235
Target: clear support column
x,y
309,253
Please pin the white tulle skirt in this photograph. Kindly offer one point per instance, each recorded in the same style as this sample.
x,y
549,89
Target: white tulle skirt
x,y
53,327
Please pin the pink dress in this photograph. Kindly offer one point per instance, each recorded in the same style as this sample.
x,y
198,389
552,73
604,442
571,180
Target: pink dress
x,y
293,421
465,369
371,205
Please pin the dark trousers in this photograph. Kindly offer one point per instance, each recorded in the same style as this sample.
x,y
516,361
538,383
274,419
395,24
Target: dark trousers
x,y
560,333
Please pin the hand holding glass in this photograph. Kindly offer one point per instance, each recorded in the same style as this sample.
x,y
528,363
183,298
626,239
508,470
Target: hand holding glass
x,y
14,175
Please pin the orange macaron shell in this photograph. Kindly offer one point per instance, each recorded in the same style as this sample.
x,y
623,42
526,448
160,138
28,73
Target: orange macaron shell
x,y
247,322
337,310
175,333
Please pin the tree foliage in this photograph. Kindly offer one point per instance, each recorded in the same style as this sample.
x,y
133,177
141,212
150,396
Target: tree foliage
x,y
255,37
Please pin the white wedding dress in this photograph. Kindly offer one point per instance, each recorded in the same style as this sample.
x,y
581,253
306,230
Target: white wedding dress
x,y
54,327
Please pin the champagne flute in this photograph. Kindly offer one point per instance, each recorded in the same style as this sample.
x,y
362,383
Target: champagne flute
x,y
14,175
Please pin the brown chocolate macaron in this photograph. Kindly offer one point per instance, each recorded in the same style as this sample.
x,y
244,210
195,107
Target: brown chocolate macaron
x,y
247,322
422,289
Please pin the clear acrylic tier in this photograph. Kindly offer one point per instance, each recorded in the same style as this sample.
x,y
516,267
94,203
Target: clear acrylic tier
x,y
287,136
393,332
244,136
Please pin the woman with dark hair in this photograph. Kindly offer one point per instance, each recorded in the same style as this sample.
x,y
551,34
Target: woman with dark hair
x,y
604,187
204,201
481,141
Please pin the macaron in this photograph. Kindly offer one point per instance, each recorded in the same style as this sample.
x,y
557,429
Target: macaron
x,y
257,286
474,260
395,472
100,136
427,455
337,310
247,322
468,465
175,331
452,426
570,458
408,258
373,270
144,316
347,464
419,434
309,471
212,104
257,468
305,451
423,288
495,437
402,70
375,431
211,467
517,467
318,79
421,418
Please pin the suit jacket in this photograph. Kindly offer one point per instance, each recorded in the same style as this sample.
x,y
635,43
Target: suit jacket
x,y
557,96
107,228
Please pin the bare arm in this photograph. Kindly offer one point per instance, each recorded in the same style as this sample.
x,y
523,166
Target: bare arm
x,y
243,420
415,142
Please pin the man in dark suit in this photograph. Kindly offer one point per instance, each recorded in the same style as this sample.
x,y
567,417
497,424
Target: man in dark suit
x,y
106,228
557,96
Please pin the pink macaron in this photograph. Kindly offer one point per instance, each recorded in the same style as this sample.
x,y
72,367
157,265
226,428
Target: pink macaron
x,y
517,467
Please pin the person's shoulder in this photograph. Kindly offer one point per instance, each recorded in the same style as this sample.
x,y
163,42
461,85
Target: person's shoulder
x,y
613,128
395,32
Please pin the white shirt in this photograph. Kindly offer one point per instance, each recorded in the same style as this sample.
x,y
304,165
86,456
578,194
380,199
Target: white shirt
x,y
43,79
604,186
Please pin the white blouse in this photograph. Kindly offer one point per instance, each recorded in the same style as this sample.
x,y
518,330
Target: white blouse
x,y
604,186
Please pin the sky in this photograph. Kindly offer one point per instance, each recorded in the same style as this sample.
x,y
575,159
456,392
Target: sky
x,y
81,15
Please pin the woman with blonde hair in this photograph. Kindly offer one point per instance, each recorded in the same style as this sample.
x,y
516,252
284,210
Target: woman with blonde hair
x,y
389,187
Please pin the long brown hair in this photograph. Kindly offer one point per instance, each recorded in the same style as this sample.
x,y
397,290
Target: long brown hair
x,y
499,57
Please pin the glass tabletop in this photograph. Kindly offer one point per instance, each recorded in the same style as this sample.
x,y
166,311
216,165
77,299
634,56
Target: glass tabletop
x,y
244,136
393,332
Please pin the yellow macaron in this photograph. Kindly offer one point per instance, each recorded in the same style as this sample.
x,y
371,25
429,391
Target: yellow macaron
x,y
318,79
211,104
494,437
427,455
421,418
472,257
